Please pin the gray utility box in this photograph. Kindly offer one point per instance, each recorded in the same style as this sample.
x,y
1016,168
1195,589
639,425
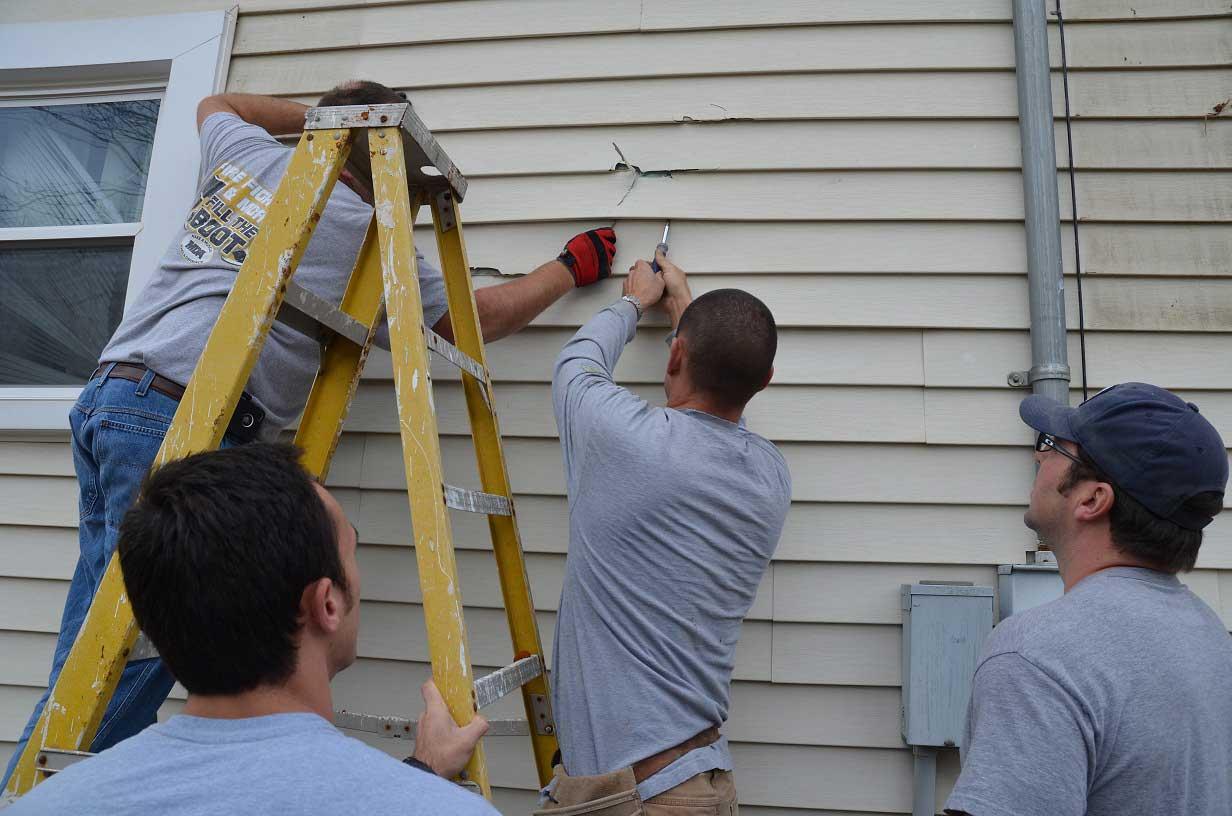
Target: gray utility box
x,y
1022,586
944,627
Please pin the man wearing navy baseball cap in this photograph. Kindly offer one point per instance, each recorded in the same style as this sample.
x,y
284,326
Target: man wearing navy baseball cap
x,y
1117,697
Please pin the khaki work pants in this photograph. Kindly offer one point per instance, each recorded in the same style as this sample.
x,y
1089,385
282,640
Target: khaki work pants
x,y
711,793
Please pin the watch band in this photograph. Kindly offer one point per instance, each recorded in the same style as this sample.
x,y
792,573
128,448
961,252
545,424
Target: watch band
x,y
637,304
415,763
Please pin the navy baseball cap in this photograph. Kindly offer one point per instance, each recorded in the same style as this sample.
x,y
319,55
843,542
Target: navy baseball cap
x,y
1147,440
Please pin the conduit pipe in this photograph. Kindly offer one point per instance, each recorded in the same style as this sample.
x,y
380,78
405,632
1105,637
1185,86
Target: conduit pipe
x,y
1049,374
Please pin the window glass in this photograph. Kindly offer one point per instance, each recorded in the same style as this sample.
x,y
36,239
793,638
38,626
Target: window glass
x,y
60,305
75,164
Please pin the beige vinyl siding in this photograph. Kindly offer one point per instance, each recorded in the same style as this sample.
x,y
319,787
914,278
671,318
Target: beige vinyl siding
x,y
856,165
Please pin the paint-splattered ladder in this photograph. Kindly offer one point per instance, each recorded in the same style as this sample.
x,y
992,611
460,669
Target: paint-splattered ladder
x,y
406,168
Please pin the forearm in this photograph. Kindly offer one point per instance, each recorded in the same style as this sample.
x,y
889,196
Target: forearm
x,y
275,116
597,346
507,308
675,306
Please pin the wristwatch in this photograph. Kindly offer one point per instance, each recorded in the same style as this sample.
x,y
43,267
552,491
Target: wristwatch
x,y
637,304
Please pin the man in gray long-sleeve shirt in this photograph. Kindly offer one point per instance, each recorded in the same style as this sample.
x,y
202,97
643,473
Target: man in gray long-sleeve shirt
x,y
674,514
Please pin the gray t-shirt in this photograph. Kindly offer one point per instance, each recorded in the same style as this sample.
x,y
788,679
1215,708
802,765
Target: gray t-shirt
x,y
673,518
1115,698
166,328
280,764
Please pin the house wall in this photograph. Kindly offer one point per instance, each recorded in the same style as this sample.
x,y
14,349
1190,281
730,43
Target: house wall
x,y
855,165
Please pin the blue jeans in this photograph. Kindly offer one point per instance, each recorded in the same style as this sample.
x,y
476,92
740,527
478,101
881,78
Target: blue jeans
x,y
117,427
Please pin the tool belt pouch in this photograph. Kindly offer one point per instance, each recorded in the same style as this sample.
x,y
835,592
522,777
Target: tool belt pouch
x,y
613,794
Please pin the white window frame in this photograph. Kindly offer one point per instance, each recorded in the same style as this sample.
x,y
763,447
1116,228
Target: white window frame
x,y
182,56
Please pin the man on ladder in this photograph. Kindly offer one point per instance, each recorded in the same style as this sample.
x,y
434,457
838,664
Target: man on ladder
x,y
124,411
256,656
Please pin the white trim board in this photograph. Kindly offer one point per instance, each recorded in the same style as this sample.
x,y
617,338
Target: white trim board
x,y
189,52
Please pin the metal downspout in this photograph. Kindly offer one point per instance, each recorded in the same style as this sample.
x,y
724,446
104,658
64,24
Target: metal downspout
x,y
1049,374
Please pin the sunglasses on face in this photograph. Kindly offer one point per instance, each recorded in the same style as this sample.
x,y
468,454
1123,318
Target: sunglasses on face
x,y
1047,442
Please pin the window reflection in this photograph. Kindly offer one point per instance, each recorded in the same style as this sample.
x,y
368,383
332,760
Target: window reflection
x,y
75,164
59,308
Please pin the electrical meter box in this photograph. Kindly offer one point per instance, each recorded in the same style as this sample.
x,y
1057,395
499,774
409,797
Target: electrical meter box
x,y
944,627
1022,586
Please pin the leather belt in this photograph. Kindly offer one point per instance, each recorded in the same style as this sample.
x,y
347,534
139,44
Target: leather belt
x,y
648,767
245,422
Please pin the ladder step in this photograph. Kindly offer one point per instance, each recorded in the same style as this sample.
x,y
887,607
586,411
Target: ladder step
x,y
307,312
456,356
402,728
474,501
54,760
496,685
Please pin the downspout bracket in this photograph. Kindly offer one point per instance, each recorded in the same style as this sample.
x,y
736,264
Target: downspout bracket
x,y
1027,379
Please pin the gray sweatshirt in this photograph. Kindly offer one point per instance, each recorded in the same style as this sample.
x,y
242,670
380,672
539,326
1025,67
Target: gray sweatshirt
x,y
673,518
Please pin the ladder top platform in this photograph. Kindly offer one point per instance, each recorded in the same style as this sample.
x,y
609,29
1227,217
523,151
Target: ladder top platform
x,y
421,148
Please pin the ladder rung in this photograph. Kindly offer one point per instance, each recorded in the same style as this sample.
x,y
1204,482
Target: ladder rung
x,y
53,760
307,312
456,356
143,649
474,501
492,687
402,728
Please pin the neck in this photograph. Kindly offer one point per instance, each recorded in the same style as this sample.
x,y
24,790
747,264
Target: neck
x,y
1088,555
303,692
696,402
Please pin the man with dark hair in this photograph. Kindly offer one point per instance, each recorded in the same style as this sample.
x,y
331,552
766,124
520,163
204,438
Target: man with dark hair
x,y
241,570
124,411
674,514
1117,697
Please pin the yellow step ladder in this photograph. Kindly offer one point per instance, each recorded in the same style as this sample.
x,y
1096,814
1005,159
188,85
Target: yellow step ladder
x,y
407,169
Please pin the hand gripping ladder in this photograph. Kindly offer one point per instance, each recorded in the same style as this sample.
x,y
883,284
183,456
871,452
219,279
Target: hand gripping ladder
x,y
406,169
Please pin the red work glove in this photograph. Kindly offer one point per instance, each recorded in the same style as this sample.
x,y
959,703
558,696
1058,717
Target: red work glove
x,y
589,255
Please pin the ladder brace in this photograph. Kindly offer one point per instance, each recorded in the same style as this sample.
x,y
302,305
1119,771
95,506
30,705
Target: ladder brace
x,y
307,313
403,728
475,501
492,687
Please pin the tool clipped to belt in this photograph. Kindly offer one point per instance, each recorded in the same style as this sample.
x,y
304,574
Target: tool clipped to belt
x,y
245,423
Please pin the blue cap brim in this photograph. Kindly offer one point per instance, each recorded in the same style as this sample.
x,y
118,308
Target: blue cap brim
x,y
1048,416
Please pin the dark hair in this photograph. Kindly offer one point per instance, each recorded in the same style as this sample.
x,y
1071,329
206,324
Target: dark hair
x,y
361,92
1139,533
731,340
216,554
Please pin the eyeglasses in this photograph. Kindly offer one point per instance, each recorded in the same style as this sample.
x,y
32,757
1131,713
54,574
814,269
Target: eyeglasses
x,y
1047,442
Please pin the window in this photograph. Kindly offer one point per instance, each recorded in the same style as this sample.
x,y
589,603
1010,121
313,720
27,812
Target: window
x,y
98,163
83,165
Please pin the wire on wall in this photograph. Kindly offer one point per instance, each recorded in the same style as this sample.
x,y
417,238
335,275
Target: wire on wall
x,y
1073,198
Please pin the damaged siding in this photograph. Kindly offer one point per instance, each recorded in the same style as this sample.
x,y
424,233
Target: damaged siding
x,y
857,167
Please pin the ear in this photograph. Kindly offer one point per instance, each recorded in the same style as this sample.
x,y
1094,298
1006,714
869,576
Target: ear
x,y
676,356
1095,501
321,605
769,377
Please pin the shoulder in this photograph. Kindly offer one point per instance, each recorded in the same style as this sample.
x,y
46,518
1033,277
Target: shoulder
x,y
1033,632
225,123
774,461
225,136
384,783
69,790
